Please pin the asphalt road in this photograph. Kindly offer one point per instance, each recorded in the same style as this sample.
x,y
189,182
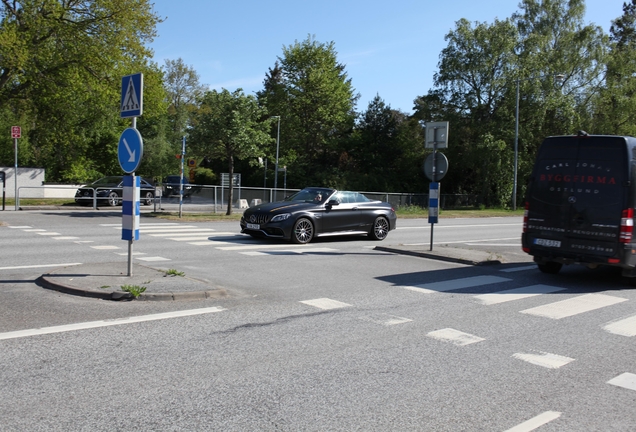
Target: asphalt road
x,y
333,336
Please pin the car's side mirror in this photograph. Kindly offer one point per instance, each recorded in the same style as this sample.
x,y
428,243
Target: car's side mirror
x,y
333,202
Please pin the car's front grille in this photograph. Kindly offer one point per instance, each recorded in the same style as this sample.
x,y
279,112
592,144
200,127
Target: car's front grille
x,y
258,218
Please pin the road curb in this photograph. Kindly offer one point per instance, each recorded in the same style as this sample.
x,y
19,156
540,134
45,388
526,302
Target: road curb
x,y
440,257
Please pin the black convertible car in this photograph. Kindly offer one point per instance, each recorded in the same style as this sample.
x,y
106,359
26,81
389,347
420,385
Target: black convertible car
x,y
109,190
316,212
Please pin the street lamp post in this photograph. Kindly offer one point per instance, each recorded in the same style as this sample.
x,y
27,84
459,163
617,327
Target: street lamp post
x,y
276,167
559,78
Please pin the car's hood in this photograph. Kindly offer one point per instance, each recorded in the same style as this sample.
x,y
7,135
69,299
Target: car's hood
x,y
281,207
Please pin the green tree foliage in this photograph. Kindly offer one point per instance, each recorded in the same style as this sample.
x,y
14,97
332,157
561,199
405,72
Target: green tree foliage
x,y
311,92
615,108
229,126
480,71
61,64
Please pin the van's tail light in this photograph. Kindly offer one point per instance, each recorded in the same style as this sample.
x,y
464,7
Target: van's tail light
x,y
627,225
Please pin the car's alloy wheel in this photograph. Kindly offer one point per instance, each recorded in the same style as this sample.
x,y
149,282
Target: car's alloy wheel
x,y
148,198
303,231
113,199
380,228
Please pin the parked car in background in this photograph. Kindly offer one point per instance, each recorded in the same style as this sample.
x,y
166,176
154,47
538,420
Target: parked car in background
x,y
316,212
109,191
171,186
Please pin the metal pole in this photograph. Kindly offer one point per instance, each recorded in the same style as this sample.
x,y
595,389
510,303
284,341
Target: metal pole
x,y
181,179
15,172
514,182
276,170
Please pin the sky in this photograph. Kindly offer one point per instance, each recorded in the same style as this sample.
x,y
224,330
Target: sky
x,y
389,48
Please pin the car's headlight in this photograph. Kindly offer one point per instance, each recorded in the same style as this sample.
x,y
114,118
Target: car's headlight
x,y
281,217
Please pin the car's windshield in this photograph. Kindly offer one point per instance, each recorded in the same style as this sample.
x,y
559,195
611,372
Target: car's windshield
x,y
108,180
317,196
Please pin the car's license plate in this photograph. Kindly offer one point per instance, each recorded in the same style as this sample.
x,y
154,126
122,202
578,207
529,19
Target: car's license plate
x,y
253,226
547,243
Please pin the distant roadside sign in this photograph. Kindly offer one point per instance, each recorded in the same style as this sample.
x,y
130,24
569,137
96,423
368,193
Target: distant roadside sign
x,y
132,100
16,132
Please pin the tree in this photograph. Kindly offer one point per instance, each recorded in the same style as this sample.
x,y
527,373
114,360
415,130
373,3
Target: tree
x,y
615,111
183,90
311,92
61,64
229,126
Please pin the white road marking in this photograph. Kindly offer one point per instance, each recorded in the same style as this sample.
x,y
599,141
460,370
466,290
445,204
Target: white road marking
x,y
494,244
574,306
622,327
463,241
208,243
39,266
460,226
455,337
325,303
516,269
48,234
19,227
191,238
516,294
168,230
456,284
288,251
260,246
544,359
177,234
107,323
34,230
84,241
154,259
105,247
626,380
386,319
65,238
536,422
134,253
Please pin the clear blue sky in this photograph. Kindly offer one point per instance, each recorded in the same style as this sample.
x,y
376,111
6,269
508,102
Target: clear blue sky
x,y
390,48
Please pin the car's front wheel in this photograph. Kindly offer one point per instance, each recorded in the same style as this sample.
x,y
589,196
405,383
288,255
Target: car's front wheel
x,y
380,228
113,199
148,196
303,231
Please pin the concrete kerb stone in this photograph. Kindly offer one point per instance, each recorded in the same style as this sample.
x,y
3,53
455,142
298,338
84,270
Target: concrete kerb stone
x,y
97,281
447,254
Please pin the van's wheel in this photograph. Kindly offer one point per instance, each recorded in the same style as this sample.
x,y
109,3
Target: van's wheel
x,y
303,231
550,267
632,281
380,228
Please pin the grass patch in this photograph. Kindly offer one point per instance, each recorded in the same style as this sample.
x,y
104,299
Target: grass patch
x,y
173,272
134,290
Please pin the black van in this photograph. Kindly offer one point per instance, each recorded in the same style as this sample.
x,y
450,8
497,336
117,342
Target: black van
x,y
580,203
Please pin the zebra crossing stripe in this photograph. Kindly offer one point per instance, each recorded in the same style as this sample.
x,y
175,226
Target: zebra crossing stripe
x,y
574,306
456,284
626,380
544,359
623,327
455,337
536,422
516,294
325,303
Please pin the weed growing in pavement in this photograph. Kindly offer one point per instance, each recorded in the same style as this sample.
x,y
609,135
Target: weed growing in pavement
x,y
173,272
105,286
135,290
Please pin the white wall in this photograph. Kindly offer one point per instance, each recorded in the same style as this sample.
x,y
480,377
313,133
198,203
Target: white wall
x,y
27,178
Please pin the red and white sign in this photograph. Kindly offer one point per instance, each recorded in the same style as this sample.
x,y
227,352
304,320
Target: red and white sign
x,y
16,132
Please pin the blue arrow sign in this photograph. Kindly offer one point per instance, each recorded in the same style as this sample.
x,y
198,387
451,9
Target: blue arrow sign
x,y
132,98
130,150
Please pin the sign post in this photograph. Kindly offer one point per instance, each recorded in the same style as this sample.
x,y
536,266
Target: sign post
x,y
3,176
129,153
16,132
435,168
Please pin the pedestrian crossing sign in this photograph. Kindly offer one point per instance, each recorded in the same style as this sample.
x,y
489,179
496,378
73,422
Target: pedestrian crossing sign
x,y
132,101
